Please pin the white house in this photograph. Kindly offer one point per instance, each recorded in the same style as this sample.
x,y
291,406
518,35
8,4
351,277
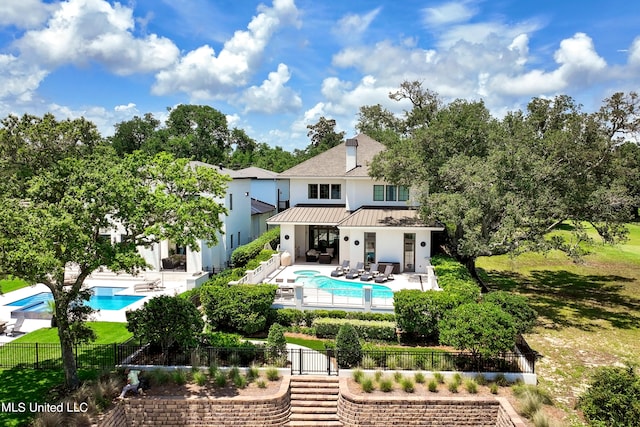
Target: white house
x,y
245,220
340,213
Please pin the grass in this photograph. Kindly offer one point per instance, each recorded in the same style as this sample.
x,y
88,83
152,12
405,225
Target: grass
x,y
589,312
12,284
317,345
106,333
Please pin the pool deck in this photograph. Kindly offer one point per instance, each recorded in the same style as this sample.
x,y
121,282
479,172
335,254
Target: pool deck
x,y
173,285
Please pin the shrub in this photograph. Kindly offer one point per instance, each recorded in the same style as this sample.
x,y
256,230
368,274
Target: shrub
x,y
471,386
252,373
517,306
457,377
386,385
501,380
233,372
348,346
238,308
368,362
483,329
613,397
530,403
276,342
453,386
397,376
221,379
433,386
367,329
407,385
261,383
419,377
481,379
289,316
179,377
540,419
367,385
357,375
377,375
159,377
493,388
240,381
242,254
200,378
438,377
272,374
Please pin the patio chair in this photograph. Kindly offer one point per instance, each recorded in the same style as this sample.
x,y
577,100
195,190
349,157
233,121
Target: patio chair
x,y
355,272
341,269
387,275
371,274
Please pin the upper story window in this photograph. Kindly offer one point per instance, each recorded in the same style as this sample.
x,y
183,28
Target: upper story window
x,y
390,193
324,191
230,203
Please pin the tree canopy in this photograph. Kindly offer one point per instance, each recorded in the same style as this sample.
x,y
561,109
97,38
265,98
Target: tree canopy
x,y
60,220
500,185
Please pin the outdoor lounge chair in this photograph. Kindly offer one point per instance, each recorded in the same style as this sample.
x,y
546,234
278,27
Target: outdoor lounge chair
x,y
387,275
371,274
355,272
150,285
341,269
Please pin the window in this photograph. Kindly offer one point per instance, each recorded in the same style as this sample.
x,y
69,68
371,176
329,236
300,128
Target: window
x,y
239,239
403,193
324,191
230,203
378,193
335,191
313,191
391,193
231,235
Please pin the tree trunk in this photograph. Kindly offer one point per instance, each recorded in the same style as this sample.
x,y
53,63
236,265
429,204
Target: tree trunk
x,y
470,263
66,346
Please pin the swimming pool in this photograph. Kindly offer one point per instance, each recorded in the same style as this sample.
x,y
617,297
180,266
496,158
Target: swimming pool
x,y
103,298
314,279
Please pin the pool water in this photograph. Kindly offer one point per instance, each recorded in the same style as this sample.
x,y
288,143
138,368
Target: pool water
x,y
103,298
314,279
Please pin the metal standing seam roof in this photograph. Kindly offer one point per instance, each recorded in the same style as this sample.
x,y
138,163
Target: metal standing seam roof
x,y
363,217
311,215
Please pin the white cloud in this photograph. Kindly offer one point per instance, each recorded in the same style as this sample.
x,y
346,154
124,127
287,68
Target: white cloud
x,y
203,75
129,107
272,97
24,13
579,65
19,80
634,52
447,13
351,26
83,31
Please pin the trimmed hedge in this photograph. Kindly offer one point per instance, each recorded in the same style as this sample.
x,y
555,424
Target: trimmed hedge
x,y
295,317
243,254
366,329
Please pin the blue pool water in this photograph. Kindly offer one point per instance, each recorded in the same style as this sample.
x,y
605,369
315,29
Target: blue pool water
x,y
103,298
314,279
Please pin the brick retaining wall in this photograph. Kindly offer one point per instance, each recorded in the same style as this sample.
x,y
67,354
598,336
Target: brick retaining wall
x,y
358,410
353,410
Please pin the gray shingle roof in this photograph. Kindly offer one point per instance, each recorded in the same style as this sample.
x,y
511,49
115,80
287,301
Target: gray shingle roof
x,y
333,162
259,207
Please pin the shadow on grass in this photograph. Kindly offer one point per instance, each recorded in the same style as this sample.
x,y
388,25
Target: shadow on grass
x,y
20,385
572,300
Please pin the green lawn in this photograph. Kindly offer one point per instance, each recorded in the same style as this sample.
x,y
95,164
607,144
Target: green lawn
x,y
9,285
106,333
589,313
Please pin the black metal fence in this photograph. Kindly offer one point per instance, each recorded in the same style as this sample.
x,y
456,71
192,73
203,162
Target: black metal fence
x,y
108,356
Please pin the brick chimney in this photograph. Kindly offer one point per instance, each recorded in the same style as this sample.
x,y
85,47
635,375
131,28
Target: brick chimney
x,y
352,153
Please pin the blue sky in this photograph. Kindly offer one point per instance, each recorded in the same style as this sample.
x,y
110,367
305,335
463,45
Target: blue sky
x,y
274,67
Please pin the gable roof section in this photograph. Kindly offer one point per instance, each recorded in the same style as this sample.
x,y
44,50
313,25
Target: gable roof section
x,y
259,207
311,215
257,173
333,162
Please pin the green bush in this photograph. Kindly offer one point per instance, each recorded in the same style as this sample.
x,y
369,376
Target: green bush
x,y
367,330
386,385
276,345
471,386
357,375
407,385
483,329
367,385
243,254
613,397
200,378
419,377
272,374
238,308
493,388
433,386
517,306
289,316
348,346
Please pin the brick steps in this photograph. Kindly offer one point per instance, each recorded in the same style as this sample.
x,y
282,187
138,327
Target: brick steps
x,y
314,402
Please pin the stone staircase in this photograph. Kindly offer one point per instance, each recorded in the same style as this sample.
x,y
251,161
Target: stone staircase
x,y
314,401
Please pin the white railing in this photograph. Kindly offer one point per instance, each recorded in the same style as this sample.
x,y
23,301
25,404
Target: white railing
x,y
261,272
